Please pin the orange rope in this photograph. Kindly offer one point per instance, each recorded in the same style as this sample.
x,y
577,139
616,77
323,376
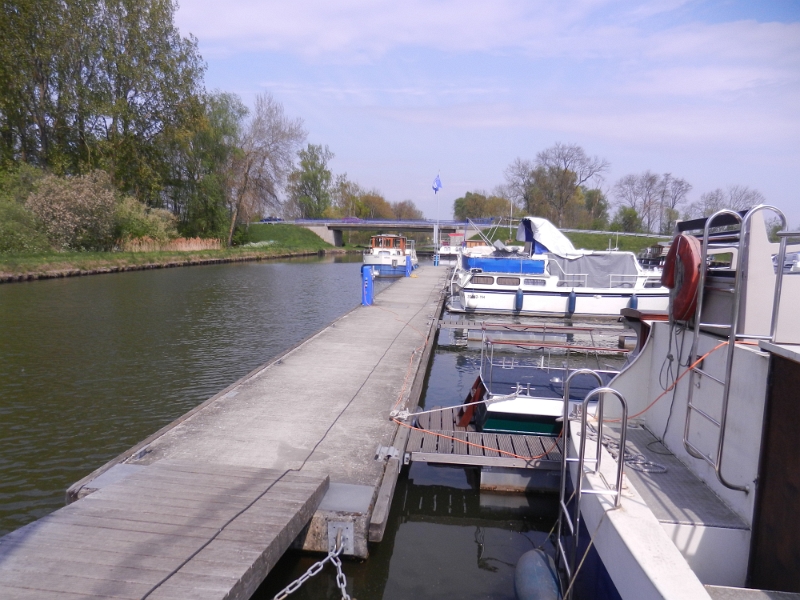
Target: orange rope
x,y
474,445
674,383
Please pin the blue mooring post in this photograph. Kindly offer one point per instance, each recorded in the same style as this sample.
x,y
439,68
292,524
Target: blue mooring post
x,y
367,290
436,260
408,266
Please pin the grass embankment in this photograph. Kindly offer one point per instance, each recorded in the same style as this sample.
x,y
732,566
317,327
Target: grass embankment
x,y
599,241
272,241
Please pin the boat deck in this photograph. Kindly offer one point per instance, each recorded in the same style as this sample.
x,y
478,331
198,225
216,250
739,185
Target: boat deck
x,y
676,496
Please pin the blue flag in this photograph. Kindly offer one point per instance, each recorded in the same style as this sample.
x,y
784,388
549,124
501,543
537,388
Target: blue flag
x,y
437,184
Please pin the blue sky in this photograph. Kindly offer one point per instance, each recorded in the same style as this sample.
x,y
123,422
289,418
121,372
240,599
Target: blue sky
x,y
708,91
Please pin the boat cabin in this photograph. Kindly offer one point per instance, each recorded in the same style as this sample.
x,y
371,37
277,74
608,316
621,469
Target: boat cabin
x,y
396,242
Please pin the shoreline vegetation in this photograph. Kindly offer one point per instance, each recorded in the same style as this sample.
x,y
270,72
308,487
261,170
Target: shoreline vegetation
x,y
75,264
258,242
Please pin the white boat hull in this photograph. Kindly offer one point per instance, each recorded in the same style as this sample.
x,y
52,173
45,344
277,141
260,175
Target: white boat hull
x,y
588,302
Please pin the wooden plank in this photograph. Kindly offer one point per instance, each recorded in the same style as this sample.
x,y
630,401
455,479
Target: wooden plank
x,y
475,438
377,526
380,515
490,441
414,443
429,442
459,447
478,461
436,420
504,443
217,544
424,420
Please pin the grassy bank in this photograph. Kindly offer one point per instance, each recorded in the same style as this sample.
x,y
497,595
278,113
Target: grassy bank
x,y
598,241
263,242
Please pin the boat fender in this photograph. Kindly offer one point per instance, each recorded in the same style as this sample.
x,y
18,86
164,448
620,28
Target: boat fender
x,y
633,302
573,298
518,297
535,577
681,275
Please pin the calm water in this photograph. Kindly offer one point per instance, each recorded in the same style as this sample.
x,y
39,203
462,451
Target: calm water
x,y
91,366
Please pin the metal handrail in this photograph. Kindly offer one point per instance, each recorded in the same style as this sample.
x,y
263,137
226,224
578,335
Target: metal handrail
x,y
563,511
741,269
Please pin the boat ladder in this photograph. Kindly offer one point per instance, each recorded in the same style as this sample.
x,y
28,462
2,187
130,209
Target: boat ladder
x,y
570,519
738,247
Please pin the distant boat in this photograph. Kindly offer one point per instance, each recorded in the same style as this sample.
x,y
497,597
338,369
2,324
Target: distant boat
x,y
549,277
387,255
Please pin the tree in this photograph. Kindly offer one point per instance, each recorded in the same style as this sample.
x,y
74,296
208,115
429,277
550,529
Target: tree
x,y
641,193
87,84
673,192
596,206
627,219
480,205
375,206
519,186
263,159
200,178
561,170
736,197
655,198
310,184
406,210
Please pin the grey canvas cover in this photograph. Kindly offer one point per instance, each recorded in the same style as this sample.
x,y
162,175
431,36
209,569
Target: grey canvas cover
x,y
601,270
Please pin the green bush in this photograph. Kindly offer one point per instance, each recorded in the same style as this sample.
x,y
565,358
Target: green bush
x,y
134,220
18,230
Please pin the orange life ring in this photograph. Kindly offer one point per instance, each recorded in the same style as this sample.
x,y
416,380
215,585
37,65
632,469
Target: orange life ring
x,y
682,275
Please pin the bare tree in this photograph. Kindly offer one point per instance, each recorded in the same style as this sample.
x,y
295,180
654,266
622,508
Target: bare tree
x,y
265,155
736,197
519,184
641,193
673,192
567,167
655,198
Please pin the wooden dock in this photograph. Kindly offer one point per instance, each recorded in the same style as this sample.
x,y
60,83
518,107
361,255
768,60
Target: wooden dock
x,y
168,531
439,439
286,456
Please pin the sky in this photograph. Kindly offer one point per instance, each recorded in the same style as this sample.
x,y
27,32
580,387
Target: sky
x,y
708,91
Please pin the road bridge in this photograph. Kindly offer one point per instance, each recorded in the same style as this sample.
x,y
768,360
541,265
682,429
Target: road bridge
x,y
331,230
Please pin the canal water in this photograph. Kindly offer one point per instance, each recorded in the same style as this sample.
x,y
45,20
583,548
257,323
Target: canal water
x,y
91,366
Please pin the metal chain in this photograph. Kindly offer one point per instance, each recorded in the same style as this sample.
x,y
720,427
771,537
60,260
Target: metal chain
x,y
314,569
637,462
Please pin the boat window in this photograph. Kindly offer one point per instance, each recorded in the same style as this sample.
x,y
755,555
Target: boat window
x,y
482,279
535,282
508,281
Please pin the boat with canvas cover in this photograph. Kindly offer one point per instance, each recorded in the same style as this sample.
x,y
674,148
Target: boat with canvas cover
x,y
683,483
549,277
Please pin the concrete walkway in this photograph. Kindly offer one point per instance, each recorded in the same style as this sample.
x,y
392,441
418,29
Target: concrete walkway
x,y
321,409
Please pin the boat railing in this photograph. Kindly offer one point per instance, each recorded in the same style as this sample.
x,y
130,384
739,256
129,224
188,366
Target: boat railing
x,y
622,281
545,337
572,279
572,519
737,243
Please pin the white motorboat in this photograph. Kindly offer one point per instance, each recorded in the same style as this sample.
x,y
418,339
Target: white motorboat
x,y
703,501
389,255
549,277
